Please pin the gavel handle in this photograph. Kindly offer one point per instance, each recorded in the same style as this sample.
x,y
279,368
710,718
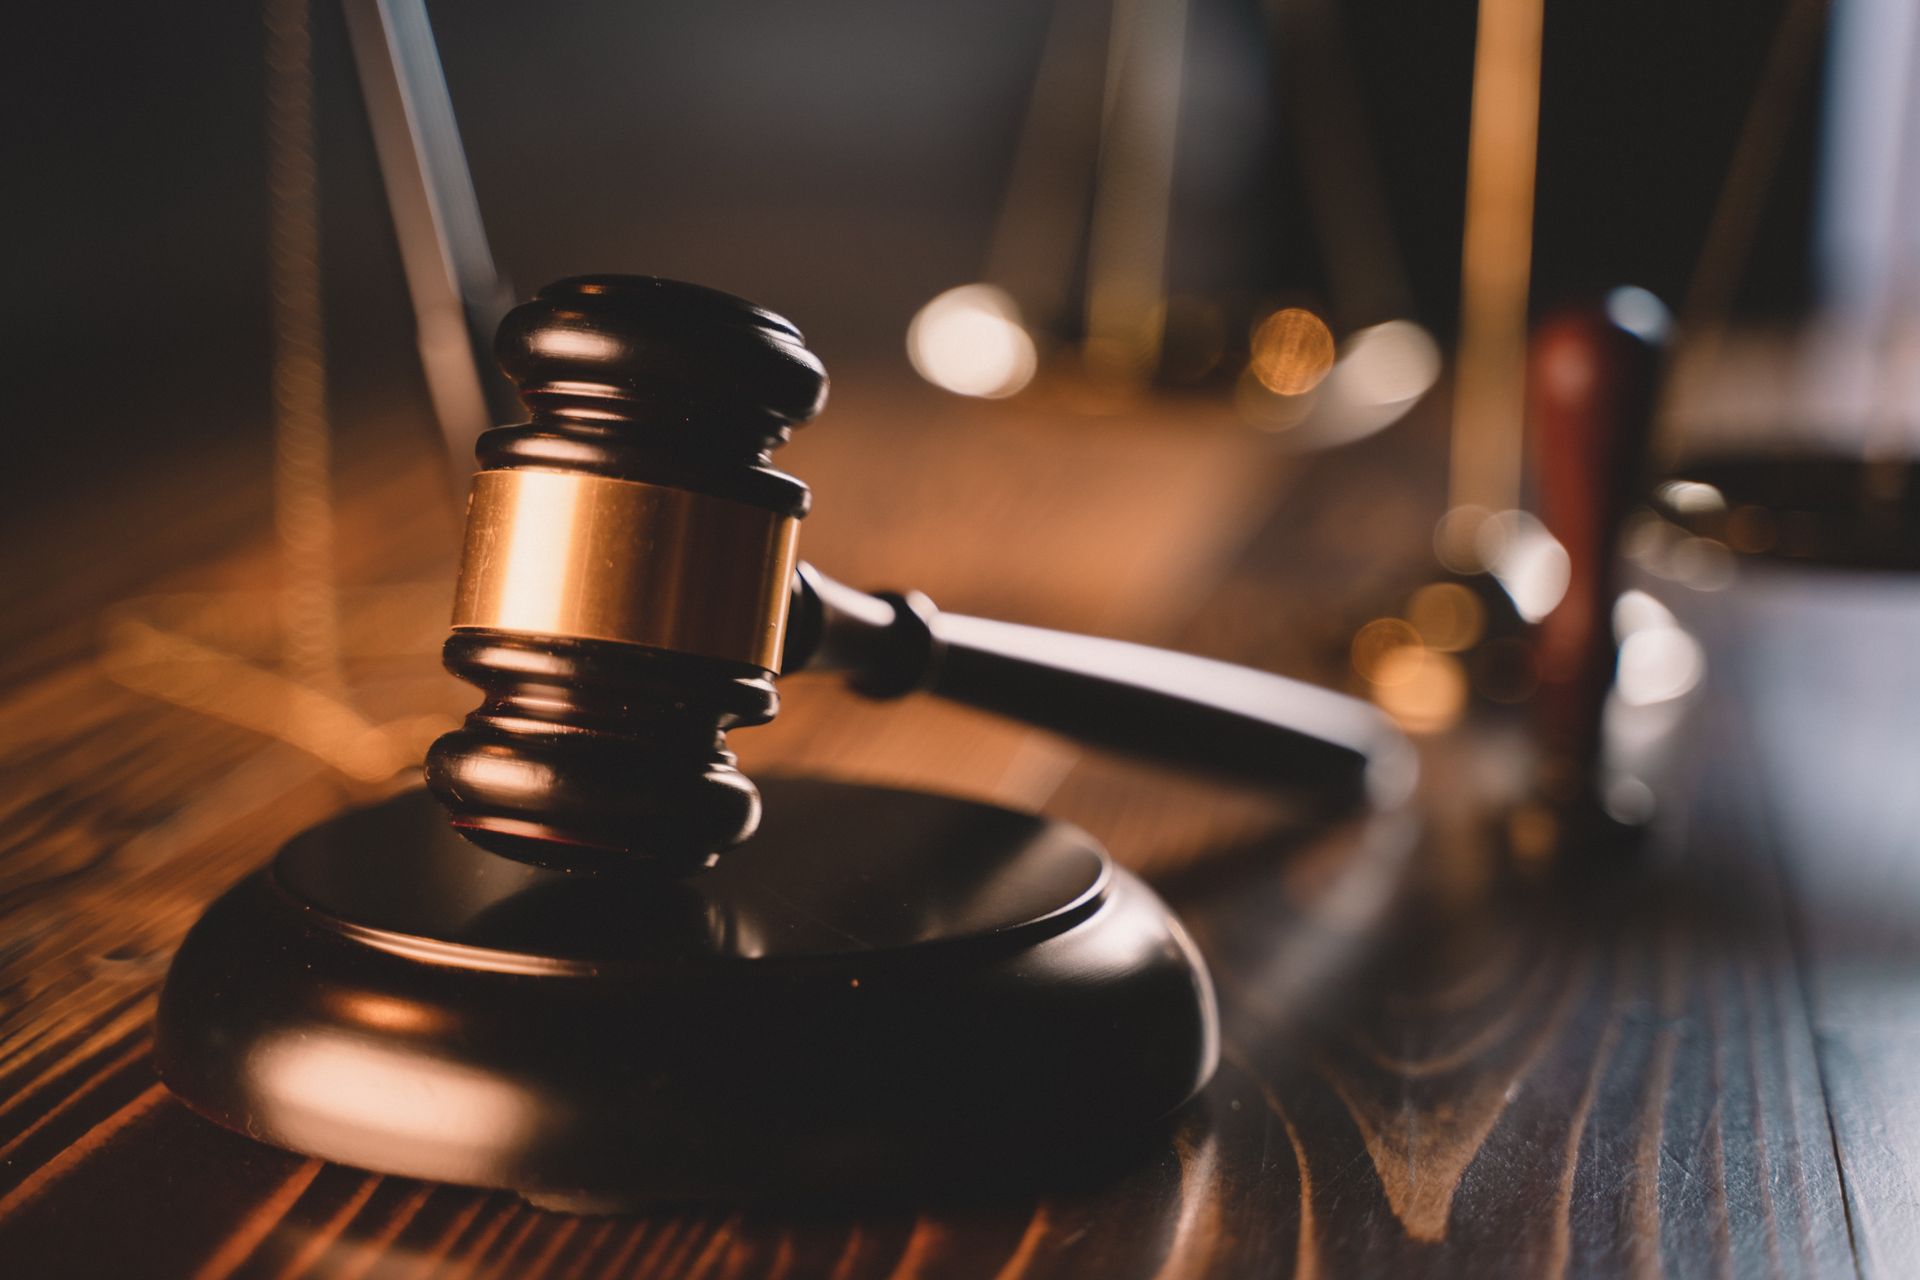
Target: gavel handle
x,y
1592,374
1174,709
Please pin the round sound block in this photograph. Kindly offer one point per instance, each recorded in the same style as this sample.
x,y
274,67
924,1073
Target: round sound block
x,y
882,986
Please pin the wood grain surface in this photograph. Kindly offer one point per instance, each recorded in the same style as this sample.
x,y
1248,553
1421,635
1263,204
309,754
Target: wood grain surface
x,y
1439,1059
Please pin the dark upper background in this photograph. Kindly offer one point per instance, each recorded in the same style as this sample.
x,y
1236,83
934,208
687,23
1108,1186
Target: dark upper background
x,y
840,163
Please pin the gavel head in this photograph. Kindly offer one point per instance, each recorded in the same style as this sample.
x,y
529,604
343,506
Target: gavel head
x,y
623,590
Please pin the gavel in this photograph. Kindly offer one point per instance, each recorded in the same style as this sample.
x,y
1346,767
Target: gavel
x,y
629,590
592,987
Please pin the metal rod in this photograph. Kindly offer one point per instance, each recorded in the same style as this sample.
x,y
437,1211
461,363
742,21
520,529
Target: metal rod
x,y
1133,198
1497,256
458,293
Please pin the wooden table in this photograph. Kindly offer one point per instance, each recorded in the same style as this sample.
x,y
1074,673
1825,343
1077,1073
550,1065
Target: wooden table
x,y
1438,1059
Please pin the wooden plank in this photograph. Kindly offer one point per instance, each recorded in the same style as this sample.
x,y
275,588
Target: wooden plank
x,y
1818,673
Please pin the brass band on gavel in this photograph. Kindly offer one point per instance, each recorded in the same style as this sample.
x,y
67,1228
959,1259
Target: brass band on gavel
x,y
588,557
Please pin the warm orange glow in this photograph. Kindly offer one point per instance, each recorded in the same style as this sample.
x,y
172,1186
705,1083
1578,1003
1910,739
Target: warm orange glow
x,y
1374,643
1424,691
1380,373
388,1013
1532,832
215,654
1448,617
1292,351
316,1087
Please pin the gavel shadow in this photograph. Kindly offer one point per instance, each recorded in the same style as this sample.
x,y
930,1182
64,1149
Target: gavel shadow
x,y
1290,923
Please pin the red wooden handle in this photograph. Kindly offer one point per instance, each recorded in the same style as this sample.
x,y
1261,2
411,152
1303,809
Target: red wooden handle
x,y
1591,374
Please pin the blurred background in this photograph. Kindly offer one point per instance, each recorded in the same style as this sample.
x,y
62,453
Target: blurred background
x,y
845,164
1092,277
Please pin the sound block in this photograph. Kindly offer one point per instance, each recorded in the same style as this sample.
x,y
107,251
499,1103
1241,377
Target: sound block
x,y
880,989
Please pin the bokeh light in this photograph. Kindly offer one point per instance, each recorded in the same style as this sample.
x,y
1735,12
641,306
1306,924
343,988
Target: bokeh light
x,y
1702,563
1658,665
1639,313
1525,559
1379,374
1424,691
1374,643
1691,497
1627,800
1447,615
1389,364
1292,351
970,341
1635,610
1456,538
1659,659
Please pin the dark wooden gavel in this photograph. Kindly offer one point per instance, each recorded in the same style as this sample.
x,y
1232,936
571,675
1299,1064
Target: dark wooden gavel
x,y
630,589
885,984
